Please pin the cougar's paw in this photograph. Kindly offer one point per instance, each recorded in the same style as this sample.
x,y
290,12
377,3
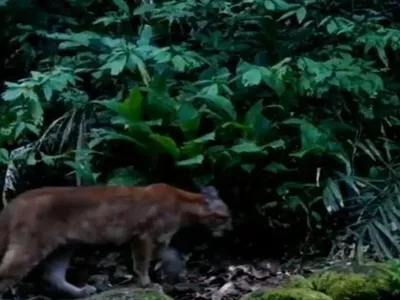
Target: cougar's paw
x,y
88,290
144,282
154,287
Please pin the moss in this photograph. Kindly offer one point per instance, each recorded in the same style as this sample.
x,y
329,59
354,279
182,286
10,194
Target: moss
x,y
299,281
374,282
386,276
354,287
287,294
322,282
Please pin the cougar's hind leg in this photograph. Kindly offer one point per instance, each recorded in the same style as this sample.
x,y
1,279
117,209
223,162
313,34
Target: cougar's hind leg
x,y
4,230
18,260
24,251
55,269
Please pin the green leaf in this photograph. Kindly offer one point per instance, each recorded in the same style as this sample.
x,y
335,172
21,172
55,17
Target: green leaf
x,y
210,90
194,161
205,138
188,117
132,106
220,105
31,161
254,111
4,156
261,128
312,140
117,65
269,5
276,144
301,14
247,147
12,94
47,91
283,5
110,135
19,129
287,15
145,35
122,5
275,167
47,159
166,144
251,77
179,63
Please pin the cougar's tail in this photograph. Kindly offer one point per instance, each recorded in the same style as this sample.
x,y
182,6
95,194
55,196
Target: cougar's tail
x,y
4,231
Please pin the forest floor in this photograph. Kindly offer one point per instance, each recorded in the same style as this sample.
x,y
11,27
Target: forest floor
x,y
207,277
230,279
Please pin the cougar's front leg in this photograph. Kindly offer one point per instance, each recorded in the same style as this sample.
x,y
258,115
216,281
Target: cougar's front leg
x,y
142,249
172,264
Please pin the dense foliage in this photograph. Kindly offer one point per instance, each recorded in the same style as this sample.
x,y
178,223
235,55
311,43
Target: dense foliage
x,y
290,108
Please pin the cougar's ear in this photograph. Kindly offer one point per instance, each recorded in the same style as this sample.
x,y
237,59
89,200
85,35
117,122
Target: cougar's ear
x,y
210,193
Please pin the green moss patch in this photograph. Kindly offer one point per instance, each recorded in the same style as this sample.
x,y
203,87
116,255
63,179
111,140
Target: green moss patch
x,y
374,282
287,294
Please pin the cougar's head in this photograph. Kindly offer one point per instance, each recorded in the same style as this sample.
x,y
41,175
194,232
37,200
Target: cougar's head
x,y
218,219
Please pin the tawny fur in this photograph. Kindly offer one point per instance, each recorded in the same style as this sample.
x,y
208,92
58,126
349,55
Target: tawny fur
x,y
39,221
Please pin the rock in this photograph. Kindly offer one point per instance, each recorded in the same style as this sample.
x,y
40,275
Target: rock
x,y
375,281
129,293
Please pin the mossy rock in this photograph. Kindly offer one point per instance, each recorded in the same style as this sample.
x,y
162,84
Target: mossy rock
x,y
374,282
347,286
129,294
299,281
287,294
344,285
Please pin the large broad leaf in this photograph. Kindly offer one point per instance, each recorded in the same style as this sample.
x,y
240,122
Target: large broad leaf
x,y
4,156
220,105
254,111
194,161
261,128
165,144
312,140
139,130
251,77
276,144
258,125
108,135
159,104
188,118
122,5
247,147
130,108
276,167
205,138
195,147
191,149
310,136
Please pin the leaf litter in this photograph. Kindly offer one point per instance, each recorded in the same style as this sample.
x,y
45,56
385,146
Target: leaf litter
x,y
205,278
